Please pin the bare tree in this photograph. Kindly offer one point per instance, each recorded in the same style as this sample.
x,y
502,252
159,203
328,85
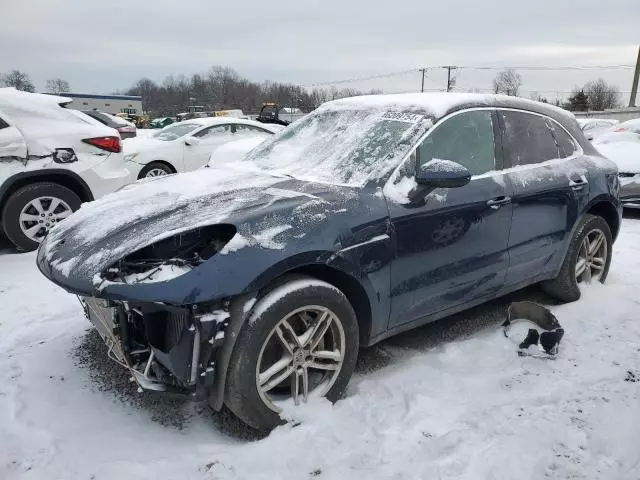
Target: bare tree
x,y
601,95
508,82
57,85
19,80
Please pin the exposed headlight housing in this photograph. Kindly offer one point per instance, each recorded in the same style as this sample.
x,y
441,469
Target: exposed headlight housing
x,y
169,258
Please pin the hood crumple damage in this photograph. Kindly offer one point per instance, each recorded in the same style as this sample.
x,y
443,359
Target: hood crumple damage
x,y
267,212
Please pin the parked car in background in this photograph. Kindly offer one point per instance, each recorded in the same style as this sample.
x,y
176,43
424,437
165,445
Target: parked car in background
x,y
622,146
235,151
256,284
187,145
125,128
51,160
628,126
592,127
161,122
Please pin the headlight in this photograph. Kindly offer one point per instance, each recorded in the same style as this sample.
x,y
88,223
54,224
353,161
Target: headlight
x,y
169,258
130,156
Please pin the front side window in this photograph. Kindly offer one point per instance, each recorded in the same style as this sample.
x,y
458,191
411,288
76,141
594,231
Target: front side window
x,y
527,138
465,138
172,132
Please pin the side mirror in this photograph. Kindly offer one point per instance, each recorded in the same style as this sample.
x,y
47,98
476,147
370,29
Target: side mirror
x,y
443,174
192,141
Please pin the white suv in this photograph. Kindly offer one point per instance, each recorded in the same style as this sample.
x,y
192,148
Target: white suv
x,y
51,160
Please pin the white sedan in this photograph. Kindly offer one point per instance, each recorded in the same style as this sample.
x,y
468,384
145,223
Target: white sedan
x,y
187,145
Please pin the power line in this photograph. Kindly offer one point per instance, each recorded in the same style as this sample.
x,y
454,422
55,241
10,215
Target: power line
x,y
470,67
549,68
360,79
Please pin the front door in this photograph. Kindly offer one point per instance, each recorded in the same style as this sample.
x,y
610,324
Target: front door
x,y
551,188
452,247
197,154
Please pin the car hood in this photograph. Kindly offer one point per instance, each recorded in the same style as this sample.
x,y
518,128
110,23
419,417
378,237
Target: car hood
x,y
104,231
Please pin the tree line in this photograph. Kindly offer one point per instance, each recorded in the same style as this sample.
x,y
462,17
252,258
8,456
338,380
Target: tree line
x,y
222,88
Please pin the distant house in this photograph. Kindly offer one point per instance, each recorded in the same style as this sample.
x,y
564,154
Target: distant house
x,y
105,103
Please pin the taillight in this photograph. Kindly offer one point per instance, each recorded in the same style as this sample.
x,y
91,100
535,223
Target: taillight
x,y
110,144
621,129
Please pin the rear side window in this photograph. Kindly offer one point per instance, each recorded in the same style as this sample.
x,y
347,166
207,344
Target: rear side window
x,y
465,138
214,131
241,128
527,139
566,145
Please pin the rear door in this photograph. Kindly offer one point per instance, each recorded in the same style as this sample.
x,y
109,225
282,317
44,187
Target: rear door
x,y
12,144
551,186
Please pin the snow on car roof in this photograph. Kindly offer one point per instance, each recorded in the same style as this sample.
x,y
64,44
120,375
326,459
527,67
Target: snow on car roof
x,y
438,104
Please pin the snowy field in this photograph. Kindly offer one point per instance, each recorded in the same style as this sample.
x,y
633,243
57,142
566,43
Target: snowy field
x,y
450,400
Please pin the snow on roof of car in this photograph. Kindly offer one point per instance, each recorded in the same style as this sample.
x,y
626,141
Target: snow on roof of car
x,y
438,104
9,95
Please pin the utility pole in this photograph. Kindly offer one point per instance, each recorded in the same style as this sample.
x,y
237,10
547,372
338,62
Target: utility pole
x,y
449,82
424,71
636,76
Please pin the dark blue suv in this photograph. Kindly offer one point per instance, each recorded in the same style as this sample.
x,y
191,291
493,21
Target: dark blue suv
x,y
255,283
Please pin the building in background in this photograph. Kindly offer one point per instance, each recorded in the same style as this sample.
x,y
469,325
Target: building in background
x,y
129,104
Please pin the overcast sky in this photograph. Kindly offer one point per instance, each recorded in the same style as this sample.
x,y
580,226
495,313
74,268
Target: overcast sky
x,y
100,46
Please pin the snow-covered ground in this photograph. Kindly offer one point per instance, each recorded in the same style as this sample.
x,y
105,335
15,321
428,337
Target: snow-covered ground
x,y
450,400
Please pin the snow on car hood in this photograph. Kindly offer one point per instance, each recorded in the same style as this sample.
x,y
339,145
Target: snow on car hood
x,y
624,154
147,211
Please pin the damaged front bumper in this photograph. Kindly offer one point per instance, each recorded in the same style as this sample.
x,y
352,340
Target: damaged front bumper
x,y
164,348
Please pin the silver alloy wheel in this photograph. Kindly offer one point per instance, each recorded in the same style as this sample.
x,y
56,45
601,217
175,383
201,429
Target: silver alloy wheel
x,y
41,214
592,256
302,355
156,172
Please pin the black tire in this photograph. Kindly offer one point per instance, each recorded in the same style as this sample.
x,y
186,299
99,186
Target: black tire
x,y
241,395
20,198
565,286
155,166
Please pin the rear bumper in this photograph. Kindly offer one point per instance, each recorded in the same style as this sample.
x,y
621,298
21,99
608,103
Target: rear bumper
x,y
108,176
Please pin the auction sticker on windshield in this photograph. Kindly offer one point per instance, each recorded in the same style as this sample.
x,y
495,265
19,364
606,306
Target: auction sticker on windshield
x,y
402,117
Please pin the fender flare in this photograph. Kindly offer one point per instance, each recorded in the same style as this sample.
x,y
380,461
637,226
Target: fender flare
x,y
599,199
238,318
25,178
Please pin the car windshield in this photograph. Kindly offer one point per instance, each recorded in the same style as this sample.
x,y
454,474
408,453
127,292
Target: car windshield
x,y
175,131
343,146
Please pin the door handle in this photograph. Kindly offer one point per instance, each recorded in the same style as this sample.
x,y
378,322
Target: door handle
x,y
497,202
578,184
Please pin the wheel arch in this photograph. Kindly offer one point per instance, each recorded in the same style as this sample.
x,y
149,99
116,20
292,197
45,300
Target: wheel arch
x,y
351,287
605,209
66,178
601,206
163,162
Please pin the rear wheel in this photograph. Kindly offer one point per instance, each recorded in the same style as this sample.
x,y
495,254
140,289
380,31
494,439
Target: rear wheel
x,y
33,210
303,343
155,169
587,260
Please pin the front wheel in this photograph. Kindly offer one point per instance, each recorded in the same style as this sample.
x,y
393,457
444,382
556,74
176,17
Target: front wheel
x,y
587,260
300,342
155,169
